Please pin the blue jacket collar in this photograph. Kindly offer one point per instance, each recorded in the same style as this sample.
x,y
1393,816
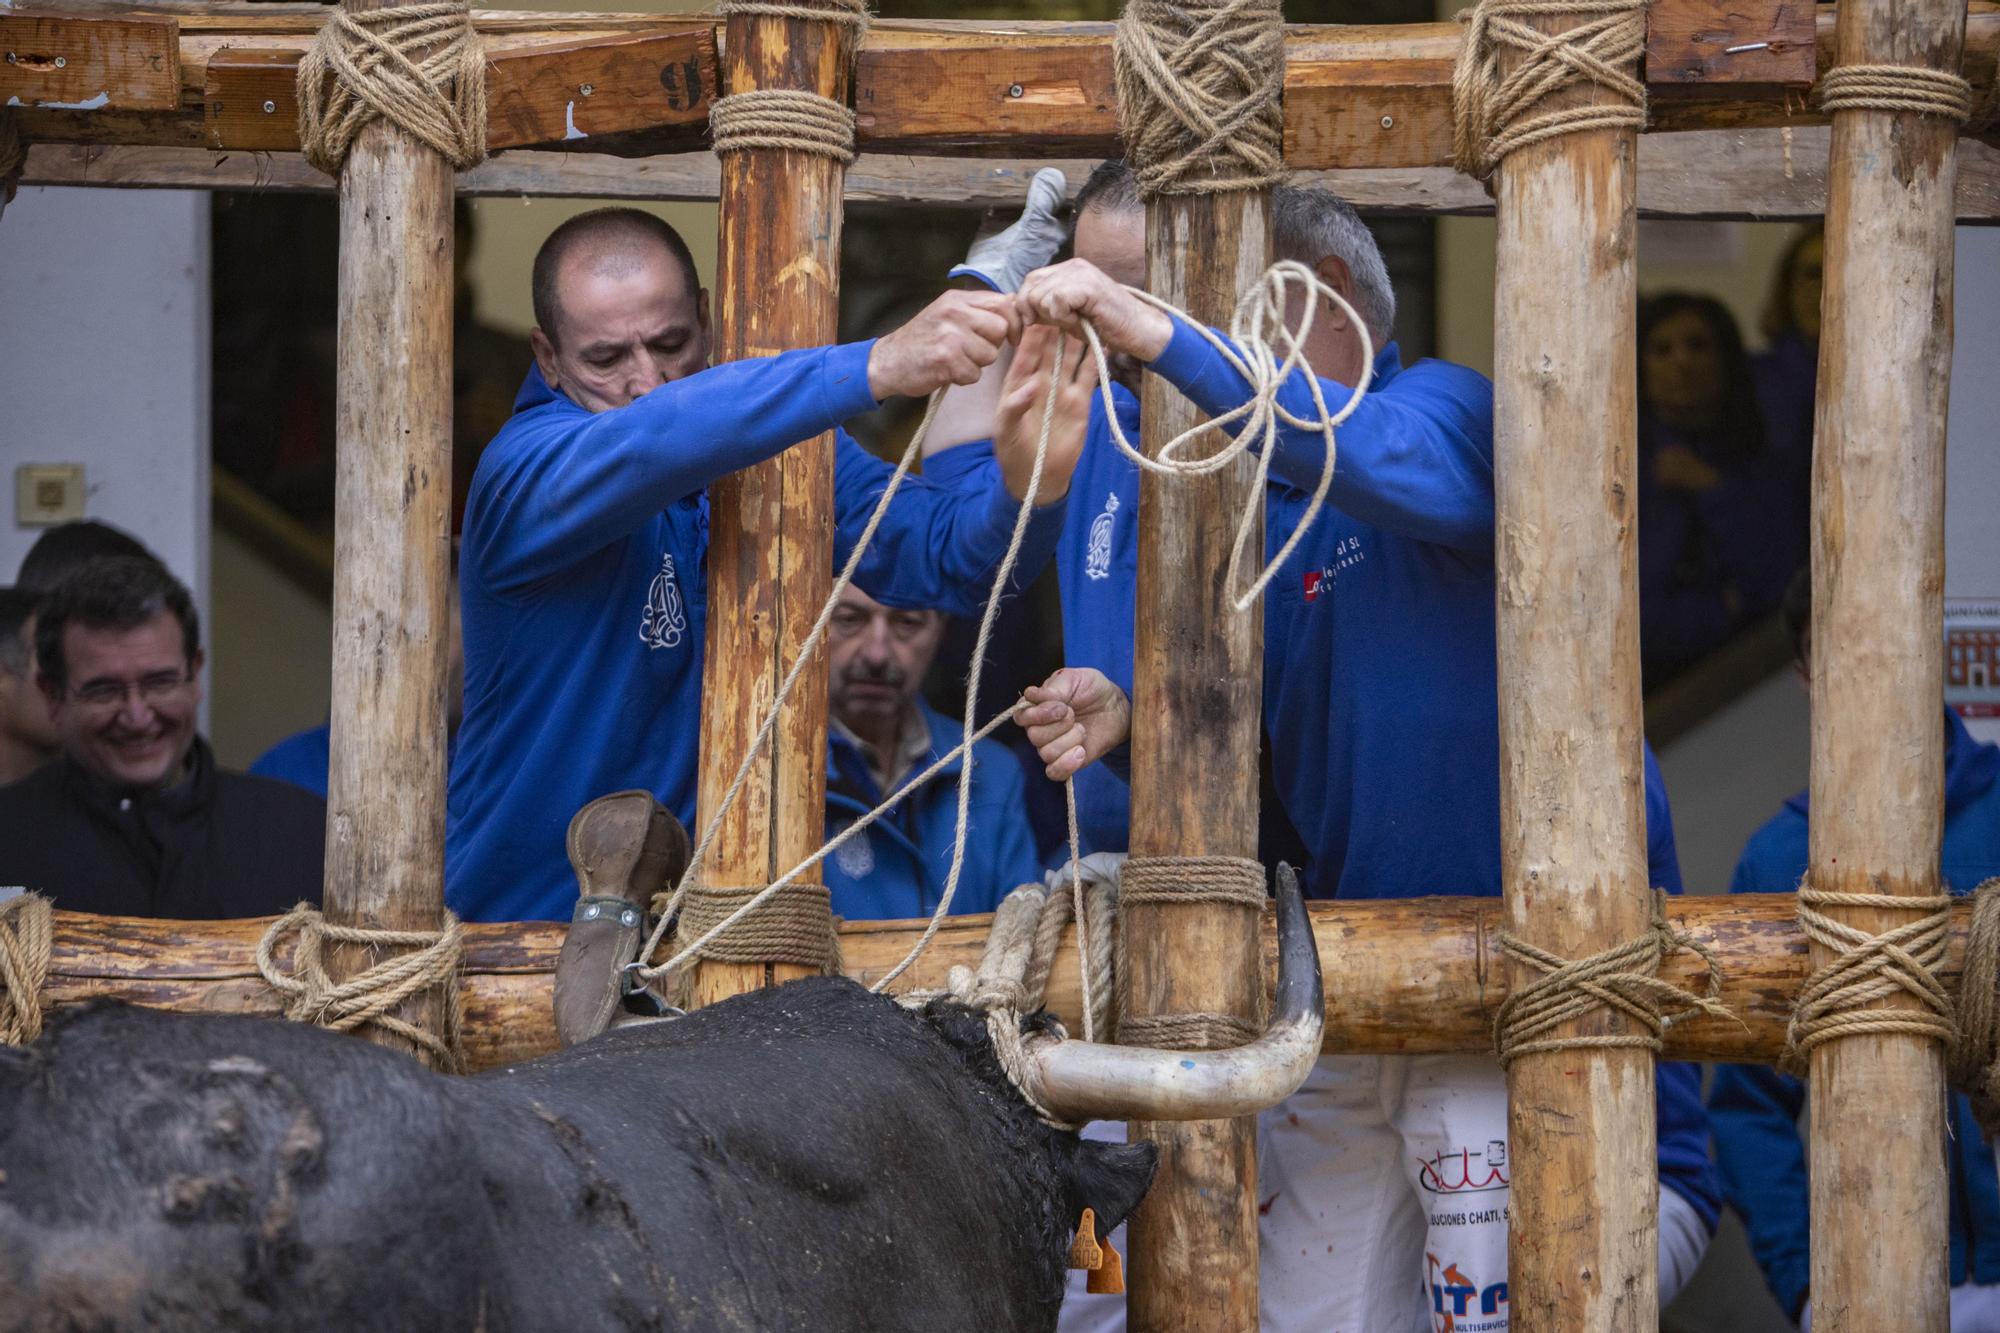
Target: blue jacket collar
x,y
844,763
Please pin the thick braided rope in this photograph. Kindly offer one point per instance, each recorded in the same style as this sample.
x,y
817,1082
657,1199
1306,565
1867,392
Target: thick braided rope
x,y
26,937
418,66
794,925
1622,979
850,14
1869,968
1494,114
372,996
1974,1058
1198,84
788,118
1188,879
1928,92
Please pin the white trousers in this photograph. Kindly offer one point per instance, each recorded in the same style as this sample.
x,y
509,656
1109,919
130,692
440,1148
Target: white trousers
x,y
1382,1184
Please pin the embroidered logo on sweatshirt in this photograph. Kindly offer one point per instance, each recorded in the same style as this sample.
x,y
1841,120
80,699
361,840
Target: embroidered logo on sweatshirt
x,y
1314,582
1097,557
664,623
856,857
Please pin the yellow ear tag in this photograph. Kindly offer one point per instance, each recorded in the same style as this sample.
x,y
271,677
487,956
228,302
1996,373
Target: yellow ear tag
x,y
1107,1279
1084,1251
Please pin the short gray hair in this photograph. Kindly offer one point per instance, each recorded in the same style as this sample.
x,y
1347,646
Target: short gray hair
x,y
1308,223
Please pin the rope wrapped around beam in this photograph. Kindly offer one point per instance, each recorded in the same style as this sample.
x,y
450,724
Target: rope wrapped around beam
x,y
790,119
1199,84
1494,114
418,66
371,997
26,938
1926,92
1232,880
1974,1060
1869,968
794,925
1623,979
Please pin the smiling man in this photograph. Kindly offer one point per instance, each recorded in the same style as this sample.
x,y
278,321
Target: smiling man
x,y
136,819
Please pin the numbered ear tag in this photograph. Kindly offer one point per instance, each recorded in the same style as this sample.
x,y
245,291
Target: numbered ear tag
x,y
1107,1272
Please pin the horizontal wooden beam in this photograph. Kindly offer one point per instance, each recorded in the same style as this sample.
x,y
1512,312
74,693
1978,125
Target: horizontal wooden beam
x,y
1408,975
1355,96
1758,175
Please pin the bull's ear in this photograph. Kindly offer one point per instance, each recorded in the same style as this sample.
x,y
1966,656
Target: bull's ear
x,y
1111,1178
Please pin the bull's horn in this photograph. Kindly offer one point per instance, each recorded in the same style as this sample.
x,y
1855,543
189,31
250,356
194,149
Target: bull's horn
x,y
1087,1081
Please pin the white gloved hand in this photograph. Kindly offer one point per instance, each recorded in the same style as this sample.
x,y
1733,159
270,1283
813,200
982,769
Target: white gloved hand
x,y
1004,258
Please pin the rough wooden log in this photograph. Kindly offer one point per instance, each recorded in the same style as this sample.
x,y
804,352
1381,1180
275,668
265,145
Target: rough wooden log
x,y
1355,96
770,552
1405,977
392,546
1198,673
1758,175
1877,664
1572,817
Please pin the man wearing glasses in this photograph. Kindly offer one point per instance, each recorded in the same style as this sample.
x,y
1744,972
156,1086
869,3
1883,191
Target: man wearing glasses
x,y
136,819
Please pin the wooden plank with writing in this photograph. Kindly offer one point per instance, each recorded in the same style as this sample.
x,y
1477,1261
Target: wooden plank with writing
x,y
552,93
250,99
90,63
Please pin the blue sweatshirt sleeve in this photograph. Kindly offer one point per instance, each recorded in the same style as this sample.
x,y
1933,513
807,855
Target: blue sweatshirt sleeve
x,y
939,546
962,465
1754,1112
1416,458
1663,860
560,484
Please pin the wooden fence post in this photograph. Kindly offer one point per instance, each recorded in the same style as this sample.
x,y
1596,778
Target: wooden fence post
x,y
1879,1193
392,540
1581,1249
770,548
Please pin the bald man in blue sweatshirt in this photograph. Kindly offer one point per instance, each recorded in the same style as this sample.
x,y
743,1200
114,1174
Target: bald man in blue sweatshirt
x,y
1382,722
586,535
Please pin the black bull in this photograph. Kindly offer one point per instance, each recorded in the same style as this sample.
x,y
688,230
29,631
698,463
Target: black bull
x,y
812,1157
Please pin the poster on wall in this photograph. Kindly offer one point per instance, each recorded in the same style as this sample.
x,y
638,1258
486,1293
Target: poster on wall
x,y
1972,663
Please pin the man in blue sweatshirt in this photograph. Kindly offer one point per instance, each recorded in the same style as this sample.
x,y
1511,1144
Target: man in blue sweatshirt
x,y
1755,1109
881,735
1382,722
586,532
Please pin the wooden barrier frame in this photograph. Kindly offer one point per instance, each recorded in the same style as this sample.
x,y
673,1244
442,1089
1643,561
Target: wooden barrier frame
x,y
206,82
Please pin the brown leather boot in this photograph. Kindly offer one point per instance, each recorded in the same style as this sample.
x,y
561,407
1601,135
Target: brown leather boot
x,y
625,848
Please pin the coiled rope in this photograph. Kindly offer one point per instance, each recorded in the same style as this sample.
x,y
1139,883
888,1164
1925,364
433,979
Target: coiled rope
x,y
371,997
1927,92
791,119
1494,114
418,66
26,938
1199,83
1868,968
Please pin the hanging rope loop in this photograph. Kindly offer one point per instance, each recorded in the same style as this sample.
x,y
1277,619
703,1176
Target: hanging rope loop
x,y
1199,84
1622,979
1839,998
371,997
418,66
27,936
1496,113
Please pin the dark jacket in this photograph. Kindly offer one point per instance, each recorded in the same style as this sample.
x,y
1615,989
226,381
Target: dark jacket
x,y
218,844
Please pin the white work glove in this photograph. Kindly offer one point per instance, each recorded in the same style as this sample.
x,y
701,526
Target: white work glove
x,y
1004,258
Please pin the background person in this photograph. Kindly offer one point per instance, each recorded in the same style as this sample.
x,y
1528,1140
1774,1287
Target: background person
x,y
136,818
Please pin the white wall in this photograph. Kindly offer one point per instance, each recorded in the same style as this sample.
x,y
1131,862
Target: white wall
x,y
104,351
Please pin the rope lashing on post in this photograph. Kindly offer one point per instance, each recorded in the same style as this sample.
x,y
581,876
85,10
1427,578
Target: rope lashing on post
x,y
794,925
787,118
27,936
1623,979
1188,880
1973,1062
1199,83
419,66
792,119
1868,968
1494,114
371,997
1927,92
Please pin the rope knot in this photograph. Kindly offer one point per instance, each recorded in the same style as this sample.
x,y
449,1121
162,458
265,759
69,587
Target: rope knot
x,y
418,66
26,938
1199,83
1622,979
1868,968
1494,114
370,997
